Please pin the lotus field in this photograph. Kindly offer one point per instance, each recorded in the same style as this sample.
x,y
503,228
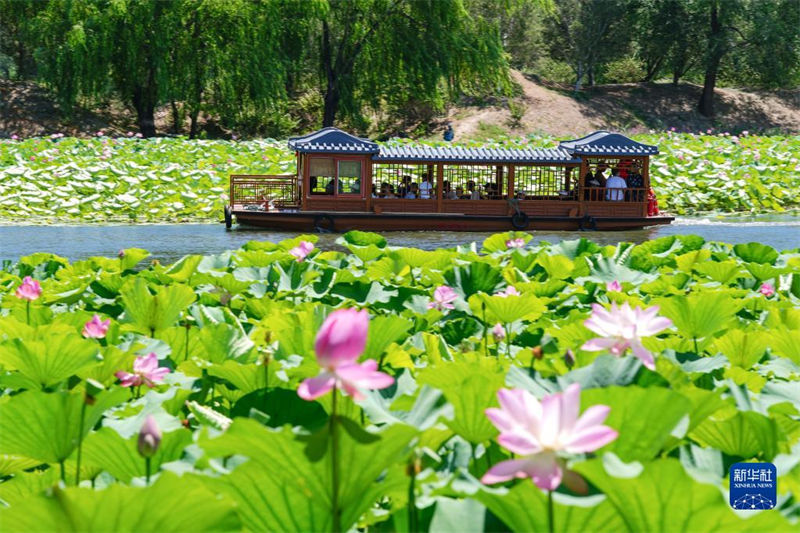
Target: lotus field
x,y
501,386
130,179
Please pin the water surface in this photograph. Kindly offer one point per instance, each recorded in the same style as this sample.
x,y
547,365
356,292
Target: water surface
x,y
169,242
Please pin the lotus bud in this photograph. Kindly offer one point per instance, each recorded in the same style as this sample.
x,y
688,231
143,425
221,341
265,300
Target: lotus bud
x,y
149,437
569,358
498,332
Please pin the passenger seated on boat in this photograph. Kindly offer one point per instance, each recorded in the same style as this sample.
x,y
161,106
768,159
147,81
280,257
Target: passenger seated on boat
x,y
474,194
460,194
329,187
425,188
449,193
413,192
599,176
591,182
635,181
614,187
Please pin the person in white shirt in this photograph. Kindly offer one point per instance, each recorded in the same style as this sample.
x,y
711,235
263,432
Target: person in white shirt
x,y
425,188
614,186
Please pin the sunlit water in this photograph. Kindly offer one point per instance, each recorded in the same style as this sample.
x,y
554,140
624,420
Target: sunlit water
x,y
171,241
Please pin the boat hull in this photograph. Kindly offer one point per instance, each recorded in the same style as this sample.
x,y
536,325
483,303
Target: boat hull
x,y
334,221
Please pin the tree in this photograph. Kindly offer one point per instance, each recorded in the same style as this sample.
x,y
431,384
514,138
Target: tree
x,y
668,35
213,63
371,50
765,34
586,33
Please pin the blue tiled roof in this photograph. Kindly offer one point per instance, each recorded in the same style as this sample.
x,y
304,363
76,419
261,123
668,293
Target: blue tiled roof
x,y
459,154
332,141
607,144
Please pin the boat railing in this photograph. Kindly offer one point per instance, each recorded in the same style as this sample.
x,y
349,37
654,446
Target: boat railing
x,y
604,194
264,191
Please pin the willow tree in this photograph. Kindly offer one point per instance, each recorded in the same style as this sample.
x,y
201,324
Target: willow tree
x,y
70,49
227,57
373,50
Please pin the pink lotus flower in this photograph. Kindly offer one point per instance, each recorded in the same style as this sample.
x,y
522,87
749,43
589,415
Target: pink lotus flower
x,y
539,432
96,328
767,290
129,134
622,328
149,437
139,135
302,250
614,286
15,137
339,343
498,332
99,133
515,243
145,371
509,291
745,133
443,297
29,289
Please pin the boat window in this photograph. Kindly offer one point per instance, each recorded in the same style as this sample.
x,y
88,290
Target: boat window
x,y
350,177
543,182
397,180
475,182
322,175
600,169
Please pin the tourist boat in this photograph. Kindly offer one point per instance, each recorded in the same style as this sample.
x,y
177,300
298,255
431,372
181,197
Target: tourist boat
x,y
344,182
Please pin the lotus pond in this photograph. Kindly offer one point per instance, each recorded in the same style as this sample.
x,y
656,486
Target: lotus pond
x,y
177,180
501,386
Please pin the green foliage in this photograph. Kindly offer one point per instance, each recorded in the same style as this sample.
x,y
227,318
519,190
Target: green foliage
x,y
241,451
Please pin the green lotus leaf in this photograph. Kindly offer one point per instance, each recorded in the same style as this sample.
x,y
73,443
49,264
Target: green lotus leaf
x,y
523,508
755,252
470,388
126,509
46,426
474,278
363,238
675,501
286,485
700,315
46,362
644,417
107,450
746,434
148,313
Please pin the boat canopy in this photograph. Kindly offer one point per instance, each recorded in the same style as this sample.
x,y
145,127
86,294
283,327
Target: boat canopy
x,y
604,143
332,141
335,141
474,155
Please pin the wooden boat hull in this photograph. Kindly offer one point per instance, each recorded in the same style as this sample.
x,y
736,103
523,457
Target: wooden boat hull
x,y
309,221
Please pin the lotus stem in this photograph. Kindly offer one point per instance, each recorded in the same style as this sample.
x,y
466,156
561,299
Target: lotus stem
x,y
485,332
147,471
337,519
550,522
80,445
28,312
508,341
412,498
63,474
